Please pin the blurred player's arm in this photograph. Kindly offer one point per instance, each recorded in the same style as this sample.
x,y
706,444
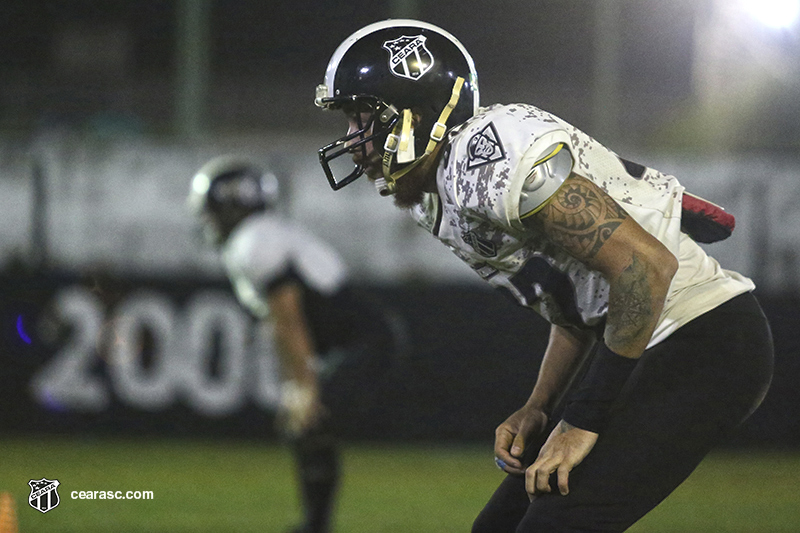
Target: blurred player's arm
x,y
297,353
566,349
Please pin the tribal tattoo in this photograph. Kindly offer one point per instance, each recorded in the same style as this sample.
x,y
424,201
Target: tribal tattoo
x,y
580,219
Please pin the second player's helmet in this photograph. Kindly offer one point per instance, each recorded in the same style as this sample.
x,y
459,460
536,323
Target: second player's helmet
x,y
413,80
225,191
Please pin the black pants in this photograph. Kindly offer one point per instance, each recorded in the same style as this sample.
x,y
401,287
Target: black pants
x,y
686,395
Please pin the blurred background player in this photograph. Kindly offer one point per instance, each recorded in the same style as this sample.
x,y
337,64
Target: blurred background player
x,y
295,284
599,246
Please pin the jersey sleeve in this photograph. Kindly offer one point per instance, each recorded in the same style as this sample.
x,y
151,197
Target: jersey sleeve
x,y
530,158
536,172
267,260
255,258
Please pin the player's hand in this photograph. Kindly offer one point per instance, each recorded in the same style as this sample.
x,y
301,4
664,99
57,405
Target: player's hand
x,y
510,437
300,408
565,448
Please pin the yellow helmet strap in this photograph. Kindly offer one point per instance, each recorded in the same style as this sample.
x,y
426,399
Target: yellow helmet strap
x,y
401,142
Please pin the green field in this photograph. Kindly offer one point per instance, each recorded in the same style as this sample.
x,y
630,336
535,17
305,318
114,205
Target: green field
x,y
242,487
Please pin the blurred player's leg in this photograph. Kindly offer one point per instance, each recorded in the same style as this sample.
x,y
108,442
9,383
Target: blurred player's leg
x,y
317,458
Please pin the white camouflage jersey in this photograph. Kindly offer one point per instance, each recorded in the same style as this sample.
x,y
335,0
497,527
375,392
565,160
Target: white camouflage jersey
x,y
265,249
504,164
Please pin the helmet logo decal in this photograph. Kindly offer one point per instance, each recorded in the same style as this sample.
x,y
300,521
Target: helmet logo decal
x,y
409,57
484,147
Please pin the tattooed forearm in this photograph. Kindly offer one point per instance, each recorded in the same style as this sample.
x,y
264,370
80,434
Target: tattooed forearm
x,y
580,220
630,305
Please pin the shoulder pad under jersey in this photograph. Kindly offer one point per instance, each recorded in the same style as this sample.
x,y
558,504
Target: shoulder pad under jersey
x,y
548,172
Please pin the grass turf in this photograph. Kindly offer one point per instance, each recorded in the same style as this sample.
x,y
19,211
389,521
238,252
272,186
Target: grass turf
x,y
244,486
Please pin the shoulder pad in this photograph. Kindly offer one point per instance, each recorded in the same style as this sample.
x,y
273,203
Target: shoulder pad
x,y
546,176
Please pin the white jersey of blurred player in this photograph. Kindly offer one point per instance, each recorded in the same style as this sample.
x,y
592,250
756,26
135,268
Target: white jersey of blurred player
x,y
480,206
266,249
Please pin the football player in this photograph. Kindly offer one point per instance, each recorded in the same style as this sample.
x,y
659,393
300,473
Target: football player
x,y
295,284
677,350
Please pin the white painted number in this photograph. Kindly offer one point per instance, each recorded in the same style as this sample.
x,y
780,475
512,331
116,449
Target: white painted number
x,y
68,380
202,354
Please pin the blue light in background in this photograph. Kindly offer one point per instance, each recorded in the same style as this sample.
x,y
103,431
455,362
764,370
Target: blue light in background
x,y
21,331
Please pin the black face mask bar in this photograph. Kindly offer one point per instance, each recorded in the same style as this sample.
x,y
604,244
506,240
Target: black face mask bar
x,y
387,118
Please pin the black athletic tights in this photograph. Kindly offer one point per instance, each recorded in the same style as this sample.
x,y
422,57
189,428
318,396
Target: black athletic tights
x,y
686,395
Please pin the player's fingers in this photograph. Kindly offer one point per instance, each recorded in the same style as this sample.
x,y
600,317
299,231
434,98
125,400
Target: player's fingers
x,y
540,475
536,481
530,482
563,479
502,444
518,445
506,468
503,437
502,440
543,478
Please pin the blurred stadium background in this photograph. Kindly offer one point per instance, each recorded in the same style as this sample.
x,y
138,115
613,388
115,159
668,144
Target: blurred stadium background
x,y
108,107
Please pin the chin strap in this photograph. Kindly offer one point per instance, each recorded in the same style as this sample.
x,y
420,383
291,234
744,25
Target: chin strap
x,y
401,142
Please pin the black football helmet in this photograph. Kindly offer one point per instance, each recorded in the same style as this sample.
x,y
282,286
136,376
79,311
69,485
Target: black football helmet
x,y
392,71
226,190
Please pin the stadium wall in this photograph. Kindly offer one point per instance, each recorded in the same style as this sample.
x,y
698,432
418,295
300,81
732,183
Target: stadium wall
x,y
101,355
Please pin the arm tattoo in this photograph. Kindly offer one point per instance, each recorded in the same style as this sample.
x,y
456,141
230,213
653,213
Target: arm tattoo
x,y
579,219
630,306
